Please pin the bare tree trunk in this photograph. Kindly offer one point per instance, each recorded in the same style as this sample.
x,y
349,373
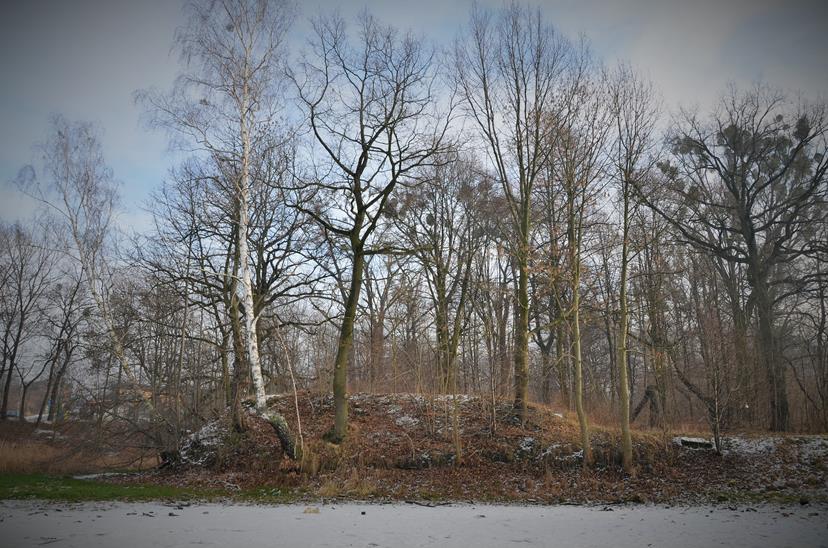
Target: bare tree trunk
x,y
562,366
276,420
55,396
24,390
501,313
346,338
239,384
772,360
377,345
583,422
575,218
623,380
546,372
444,367
248,306
521,328
227,389
4,406
46,394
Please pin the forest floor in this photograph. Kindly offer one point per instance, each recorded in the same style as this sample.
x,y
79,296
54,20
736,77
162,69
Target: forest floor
x,y
407,447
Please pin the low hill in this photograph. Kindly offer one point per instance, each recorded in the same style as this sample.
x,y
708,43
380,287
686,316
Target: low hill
x,y
407,446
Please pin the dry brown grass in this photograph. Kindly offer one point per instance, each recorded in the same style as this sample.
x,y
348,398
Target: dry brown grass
x,y
33,456
329,489
320,456
24,450
401,446
27,456
357,485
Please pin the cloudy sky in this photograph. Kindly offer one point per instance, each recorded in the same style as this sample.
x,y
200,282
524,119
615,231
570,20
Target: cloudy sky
x,y
85,58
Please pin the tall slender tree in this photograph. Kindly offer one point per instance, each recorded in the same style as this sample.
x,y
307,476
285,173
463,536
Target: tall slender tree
x,y
227,105
581,162
634,114
508,68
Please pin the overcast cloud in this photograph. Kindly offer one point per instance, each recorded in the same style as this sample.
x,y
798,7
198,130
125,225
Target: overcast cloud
x,y
85,58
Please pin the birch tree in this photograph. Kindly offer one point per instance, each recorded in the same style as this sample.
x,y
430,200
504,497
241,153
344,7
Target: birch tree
x,y
227,106
79,188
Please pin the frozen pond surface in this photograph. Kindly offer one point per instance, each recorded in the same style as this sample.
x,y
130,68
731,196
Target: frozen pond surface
x,y
124,525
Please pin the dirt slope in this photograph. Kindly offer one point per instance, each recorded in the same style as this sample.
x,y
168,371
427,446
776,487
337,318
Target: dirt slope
x,y
406,446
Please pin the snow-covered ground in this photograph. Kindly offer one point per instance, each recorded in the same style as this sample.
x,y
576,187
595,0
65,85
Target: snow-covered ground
x,y
126,525
809,448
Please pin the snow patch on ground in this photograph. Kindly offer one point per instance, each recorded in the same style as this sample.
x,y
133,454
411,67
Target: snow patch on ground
x,y
750,446
526,445
406,422
459,398
200,447
549,451
693,443
402,397
553,452
97,476
44,432
387,399
813,449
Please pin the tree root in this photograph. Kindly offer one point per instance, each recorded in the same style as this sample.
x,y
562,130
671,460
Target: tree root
x,y
280,426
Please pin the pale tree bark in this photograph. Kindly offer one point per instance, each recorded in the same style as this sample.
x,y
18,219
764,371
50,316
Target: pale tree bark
x,y
228,106
82,192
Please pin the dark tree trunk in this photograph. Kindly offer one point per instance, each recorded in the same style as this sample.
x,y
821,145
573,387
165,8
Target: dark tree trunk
x,y
346,339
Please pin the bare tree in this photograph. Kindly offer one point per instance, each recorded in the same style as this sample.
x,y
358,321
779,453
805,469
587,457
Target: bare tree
x,y
437,222
65,321
65,318
808,354
79,189
370,106
581,163
507,72
227,106
745,187
634,114
381,293
28,267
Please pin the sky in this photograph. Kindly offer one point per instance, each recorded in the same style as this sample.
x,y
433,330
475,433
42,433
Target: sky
x,y
85,59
